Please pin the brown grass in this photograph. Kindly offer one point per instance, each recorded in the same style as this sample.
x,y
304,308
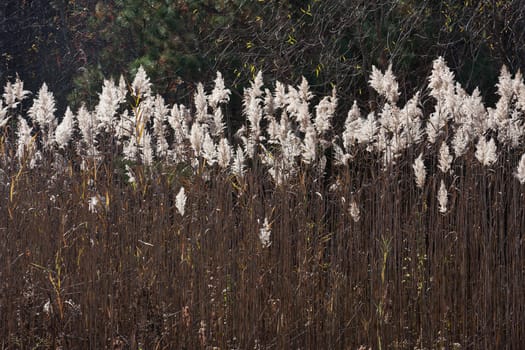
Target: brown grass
x,y
137,275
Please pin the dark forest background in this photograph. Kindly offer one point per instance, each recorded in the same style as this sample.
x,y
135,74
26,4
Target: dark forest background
x,y
73,44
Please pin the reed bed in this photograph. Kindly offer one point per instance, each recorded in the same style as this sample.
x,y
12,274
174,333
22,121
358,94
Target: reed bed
x,y
101,252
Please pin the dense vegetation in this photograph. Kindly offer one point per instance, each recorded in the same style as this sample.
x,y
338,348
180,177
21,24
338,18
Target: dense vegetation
x,y
313,201
134,225
73,44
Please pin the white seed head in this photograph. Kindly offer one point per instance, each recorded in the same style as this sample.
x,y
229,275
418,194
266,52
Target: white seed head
x,y
460,141
385,84
355,213
442,198
92,204
180,201
24,143
445,158
197,138
209,151
64,130
310,145
486,151
146,149
324,113
441,81
201,104
219,94
352,126
419,171
238,166
130,174
9,95
141,86
265,233
18,89
224,153
520,171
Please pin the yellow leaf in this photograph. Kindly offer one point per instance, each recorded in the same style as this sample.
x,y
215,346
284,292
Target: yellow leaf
x,y
307,11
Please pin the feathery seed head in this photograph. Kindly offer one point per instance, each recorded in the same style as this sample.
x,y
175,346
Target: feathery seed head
x,y
355,213
64,130
419,171
265,233
219,93
385,84
18,89
442,198
486,152
141,86
180,201
445,158
224,153
520,171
